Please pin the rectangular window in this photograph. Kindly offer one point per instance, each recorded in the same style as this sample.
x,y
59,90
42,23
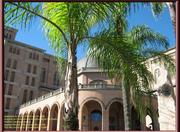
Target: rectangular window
x,y
5,89
12,76
34,56
18,51
43,75
37,57
8,64
10,90
14,50
14,64
33,81
24,96
6,74
10,49
27,80
34,69
8,101
31,95
29,68
30,55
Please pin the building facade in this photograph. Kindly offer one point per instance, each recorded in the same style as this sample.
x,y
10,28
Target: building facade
x,y
28,72
100,98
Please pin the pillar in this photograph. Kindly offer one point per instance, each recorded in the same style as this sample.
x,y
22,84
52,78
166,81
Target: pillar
x,y
21,125
27,122
49,120
58,120
105,120
40,120
155,121
33,121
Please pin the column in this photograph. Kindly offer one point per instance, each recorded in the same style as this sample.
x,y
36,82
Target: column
x,y
80,119
105,120
21,125
27,122
143,124
33,121
49,120
58,121
155,121
40,120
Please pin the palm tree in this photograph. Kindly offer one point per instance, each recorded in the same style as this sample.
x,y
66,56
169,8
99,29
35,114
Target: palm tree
x,y
123,56
66,26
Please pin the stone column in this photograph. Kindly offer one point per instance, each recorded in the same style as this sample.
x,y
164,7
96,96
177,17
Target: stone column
x,y
105,120
40,120
49,120
33,122
21,124
155,121
58,120
143,124
80,119
27,122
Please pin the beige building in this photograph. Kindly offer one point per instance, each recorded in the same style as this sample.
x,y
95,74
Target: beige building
x,y
100,103
28,72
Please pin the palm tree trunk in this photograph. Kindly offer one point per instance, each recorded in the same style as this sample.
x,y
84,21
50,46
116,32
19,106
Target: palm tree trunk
x,y
71,92
172,11
126,105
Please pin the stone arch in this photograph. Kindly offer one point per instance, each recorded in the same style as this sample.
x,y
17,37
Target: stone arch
x,y
44,118
24,121
54,111
116,115
91,108
30,120
94,99
112,101
18,125
37,119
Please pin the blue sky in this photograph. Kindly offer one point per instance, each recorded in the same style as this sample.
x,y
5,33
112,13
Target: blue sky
x,y
34,35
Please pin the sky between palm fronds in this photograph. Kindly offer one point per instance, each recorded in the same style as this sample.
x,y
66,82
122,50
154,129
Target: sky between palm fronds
x,y
34,35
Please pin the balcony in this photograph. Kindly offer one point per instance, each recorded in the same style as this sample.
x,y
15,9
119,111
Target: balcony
x,y
100,86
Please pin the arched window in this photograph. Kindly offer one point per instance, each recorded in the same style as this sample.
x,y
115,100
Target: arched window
x,y
98,83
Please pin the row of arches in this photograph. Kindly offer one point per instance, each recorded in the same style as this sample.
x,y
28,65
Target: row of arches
x,y
92,116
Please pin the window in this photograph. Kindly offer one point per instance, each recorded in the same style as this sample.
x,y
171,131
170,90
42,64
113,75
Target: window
x,y
8,101
43,74
8,64
10,49
24,96
30,55
18,51
27,80
14,50
14,64
10,90
98,83
56,79
29,68
5,89
37,57
34,56
156,74
33,81
45,60
34,69
12,76
31,95
6,74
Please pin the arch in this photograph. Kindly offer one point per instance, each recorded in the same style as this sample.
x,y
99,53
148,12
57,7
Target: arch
x,y
18,125
30,120
91,108
112,101
24,121
54,116
92,99
44,118
116,115
149,120
37,119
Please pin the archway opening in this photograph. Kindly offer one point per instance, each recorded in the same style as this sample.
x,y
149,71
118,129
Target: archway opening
x,y
30,121
44,121
24,122
135,120
116,117
91,116
149,123
36,120
18,125
53,117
